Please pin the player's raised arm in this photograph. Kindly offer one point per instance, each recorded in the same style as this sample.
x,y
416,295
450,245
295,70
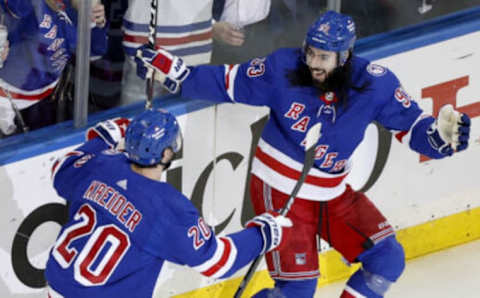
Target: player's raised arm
x,y
104,135
251,82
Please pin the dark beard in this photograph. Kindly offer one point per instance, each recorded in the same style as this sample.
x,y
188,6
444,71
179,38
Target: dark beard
x,y
337,81
334,81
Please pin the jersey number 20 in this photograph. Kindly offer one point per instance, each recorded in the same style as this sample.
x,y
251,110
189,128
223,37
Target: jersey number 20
x,y
83,261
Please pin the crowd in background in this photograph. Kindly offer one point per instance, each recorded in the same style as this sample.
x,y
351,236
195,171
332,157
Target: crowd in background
x,y
38,43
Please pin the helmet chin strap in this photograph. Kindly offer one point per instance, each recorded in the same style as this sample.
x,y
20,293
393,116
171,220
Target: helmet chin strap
x,y
165,165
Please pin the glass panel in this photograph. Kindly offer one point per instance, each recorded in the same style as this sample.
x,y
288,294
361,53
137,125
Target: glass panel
x,y
38,71
284,26
183,28
288,21
377,16
106,72
38,41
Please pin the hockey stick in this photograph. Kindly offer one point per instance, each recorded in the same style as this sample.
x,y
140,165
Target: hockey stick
x,y
152,35
313,135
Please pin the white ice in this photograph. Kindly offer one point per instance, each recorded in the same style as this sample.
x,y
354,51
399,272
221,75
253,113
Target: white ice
x,y
452,273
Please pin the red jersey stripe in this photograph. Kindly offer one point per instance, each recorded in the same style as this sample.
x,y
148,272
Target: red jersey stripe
x,y
15,95
169,41
400,135
227,77
294,174
223,260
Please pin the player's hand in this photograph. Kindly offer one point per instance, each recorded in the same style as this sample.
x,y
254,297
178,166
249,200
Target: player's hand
x,y
450,132
271,226
98,15
227,33
166,68
111,131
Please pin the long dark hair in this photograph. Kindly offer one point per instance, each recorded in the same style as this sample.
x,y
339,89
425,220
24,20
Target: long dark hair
x,y
338,81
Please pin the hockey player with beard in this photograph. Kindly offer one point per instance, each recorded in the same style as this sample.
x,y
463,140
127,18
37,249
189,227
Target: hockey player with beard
x,y
321,82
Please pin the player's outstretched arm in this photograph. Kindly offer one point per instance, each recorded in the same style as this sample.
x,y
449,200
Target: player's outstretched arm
x,y
228,254
443,136
250,83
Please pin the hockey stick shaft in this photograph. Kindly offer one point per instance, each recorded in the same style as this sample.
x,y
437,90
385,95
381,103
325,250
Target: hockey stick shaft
x,y
313,135
152,35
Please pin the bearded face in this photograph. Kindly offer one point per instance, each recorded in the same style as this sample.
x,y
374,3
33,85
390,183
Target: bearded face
x,y
321,64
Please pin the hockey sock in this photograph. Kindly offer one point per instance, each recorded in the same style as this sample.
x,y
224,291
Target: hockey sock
x,y
357,287
290,289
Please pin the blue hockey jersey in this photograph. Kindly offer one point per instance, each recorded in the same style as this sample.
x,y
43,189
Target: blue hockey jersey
x,y
42,42
122,227
294,109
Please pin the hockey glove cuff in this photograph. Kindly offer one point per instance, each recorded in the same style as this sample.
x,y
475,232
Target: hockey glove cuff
x,y
271,227
164,67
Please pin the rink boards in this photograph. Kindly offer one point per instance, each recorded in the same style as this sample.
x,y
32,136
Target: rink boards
x,y
433,204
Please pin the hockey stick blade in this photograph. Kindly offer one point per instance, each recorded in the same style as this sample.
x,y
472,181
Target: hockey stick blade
x,y
313,135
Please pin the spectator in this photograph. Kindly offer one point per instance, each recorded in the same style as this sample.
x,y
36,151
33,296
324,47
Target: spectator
x,y
184,27
241,13
234,15
267,25
106,72
42,38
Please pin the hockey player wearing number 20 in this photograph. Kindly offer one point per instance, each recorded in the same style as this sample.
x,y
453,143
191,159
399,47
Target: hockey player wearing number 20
x,y
321,82
124,222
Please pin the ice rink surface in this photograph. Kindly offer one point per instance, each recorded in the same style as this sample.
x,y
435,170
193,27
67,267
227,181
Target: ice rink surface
x,y
452,273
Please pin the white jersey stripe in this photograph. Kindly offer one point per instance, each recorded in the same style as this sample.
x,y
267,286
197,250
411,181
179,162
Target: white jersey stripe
x,y
231,259
221,261
382,233
25,98
59,162
291,163
14,89
274,174
286,184
230,74
214,259
354,293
